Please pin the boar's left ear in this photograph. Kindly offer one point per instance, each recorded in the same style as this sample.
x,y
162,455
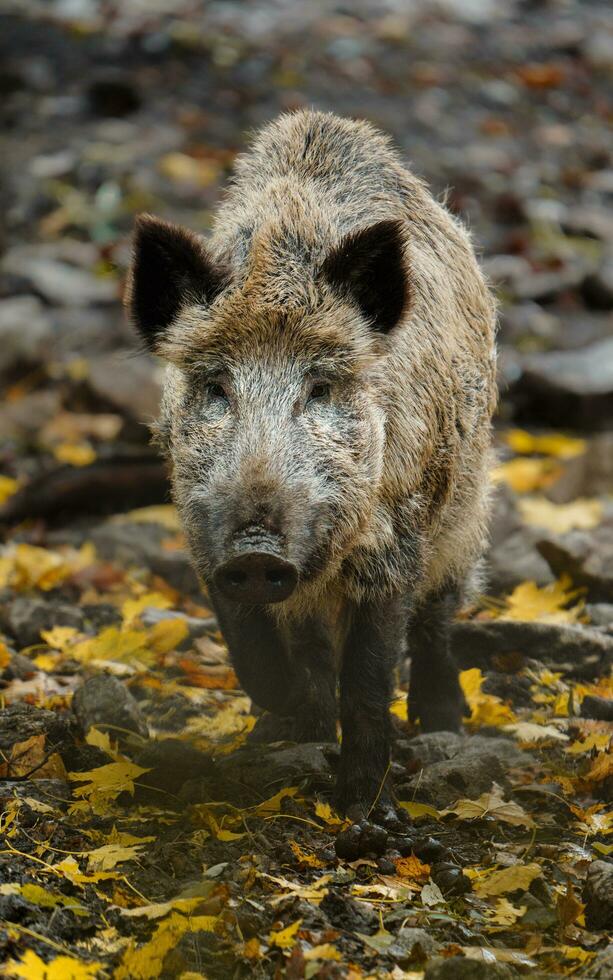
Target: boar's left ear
x,y
369,265
170,267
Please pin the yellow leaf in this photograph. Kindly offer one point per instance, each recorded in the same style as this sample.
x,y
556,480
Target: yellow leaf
x,y
75,453
273,805
305,858
167,635
516,878
313,892
551,444
581,514
485,709
325,812
183,169
417,810
105,784
548,604
125,646
8,486
109,855
527,475
595,740
60,637
601,768
102,740
132,608
5,655
146,962
25,566
37,895
69,868
159,909
504,913
32,967
324,952
491,805
285,938
399,708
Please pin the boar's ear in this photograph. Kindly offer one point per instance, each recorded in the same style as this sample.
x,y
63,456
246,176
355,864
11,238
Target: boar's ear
x,y
369,265
170,267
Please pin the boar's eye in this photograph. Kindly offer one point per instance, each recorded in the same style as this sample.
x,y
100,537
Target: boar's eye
x,y
217,393
319,392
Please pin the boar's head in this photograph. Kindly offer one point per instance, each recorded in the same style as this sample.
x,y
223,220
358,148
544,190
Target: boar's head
x,y
273,410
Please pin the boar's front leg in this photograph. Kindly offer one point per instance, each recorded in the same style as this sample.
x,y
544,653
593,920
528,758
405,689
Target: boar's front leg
x,y
370,655
435,696
288,674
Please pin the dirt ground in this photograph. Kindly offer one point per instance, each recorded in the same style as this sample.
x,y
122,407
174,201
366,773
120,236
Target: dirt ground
x,y
144,831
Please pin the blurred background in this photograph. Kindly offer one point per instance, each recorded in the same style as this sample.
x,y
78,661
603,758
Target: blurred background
x,y
111,108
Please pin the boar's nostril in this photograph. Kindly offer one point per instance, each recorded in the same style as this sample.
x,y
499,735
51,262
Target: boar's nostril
x,y
256,577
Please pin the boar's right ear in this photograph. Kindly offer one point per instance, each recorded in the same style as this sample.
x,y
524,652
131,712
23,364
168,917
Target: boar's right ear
x,y
170,267
369,265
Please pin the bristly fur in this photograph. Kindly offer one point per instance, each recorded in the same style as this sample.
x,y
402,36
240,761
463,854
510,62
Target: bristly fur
x,y
405,475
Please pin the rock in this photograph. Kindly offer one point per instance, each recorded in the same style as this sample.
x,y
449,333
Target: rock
x,y
21,721
516,560
447,766
587,556
474,644
567,388
346,914
54,792
104,702
450,879
460,968
172,763
285,766
545,286
141,544
18,668
25,617
413,946
598,895
22,419
25,330
600,613
599,709
127,383
58,282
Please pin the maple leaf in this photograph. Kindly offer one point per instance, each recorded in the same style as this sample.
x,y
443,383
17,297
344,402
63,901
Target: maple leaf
x,y
549,444
518,877
32,967
485,709
305,858
504,913
491,805
530,603
411,867
592,820
581,514
146,962
104,785
527,475
285,938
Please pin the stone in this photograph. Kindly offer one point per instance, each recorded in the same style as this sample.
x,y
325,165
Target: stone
x,y
598,895
601,968
105,703
516,560
600,613
597,288
599,709
25,330
25,617
461,968
130,385
59,282
567,388
20,721
413,946
474,644
141,543
587,556
447,766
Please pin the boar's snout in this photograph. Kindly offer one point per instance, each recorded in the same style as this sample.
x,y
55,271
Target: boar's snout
x,y
257,577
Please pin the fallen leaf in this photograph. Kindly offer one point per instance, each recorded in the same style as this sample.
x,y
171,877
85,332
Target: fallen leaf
x,y
285,938
550,444
527,475
326,951
431,895
8,487
491,805
417,810
32,967
485,709
547,604
146,962
516,878
411,867
75,453
504,913
305,858
581,514
164,514
104,785
527,731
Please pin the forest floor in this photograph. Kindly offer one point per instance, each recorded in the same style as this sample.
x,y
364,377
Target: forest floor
x,y
142,834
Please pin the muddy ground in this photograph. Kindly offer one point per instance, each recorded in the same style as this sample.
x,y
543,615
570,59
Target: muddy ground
x,y
144,832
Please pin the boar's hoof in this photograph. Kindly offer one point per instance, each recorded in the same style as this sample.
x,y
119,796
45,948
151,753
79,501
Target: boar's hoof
x,y
256,577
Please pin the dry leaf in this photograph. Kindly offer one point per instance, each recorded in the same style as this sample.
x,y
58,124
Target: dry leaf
x,y
516,878
547,604
146,962
527,731
491,805
104,785
285,938
581,514
485,709
411,867
75,453
305,858
8,487
527,475
551,444
32,967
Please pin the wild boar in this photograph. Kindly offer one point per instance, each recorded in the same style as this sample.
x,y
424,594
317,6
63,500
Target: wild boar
x,y
326,410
